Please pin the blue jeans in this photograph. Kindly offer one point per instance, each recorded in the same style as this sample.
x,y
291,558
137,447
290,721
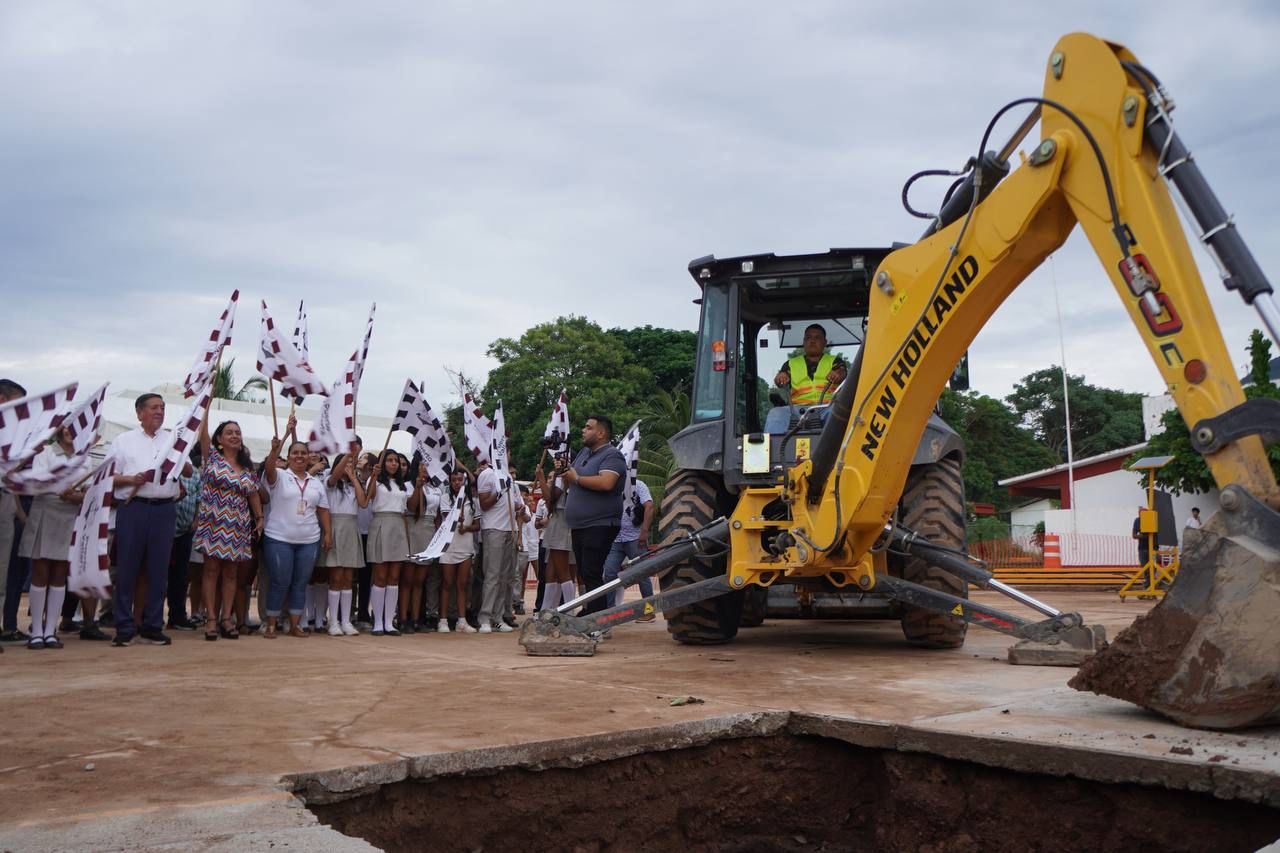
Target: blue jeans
x,y
290,568
613,564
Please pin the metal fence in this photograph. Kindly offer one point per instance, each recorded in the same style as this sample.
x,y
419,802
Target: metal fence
x,y
1024,551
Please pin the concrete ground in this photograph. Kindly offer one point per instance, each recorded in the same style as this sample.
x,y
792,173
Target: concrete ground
x,y
197,746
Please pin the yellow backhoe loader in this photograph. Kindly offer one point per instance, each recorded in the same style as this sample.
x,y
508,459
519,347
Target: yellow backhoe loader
x,y
833,501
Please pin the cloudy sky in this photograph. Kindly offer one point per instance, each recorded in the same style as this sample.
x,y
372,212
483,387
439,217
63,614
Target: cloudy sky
x,y
477,168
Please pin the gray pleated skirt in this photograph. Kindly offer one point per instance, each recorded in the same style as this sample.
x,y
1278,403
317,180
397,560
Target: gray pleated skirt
x,y
47,535
346,552
420,532
388,539
556,535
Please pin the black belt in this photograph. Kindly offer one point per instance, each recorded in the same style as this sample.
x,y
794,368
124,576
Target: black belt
x,y
156,501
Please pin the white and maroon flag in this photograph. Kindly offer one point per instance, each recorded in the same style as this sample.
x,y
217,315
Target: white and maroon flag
x,y
630,449
84,423
183,437
476,429
555,438
444,533
302,340
279,359
498,449
89,577
27,424
335,427
364,347
208,356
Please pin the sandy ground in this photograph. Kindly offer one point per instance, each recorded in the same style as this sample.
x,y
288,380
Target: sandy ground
x,y
185,747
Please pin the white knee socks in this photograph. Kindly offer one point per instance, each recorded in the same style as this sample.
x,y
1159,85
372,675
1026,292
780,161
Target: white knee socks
x,y
334,597
37,599
344,606
53,606
550,596
393,598
568,591
377,595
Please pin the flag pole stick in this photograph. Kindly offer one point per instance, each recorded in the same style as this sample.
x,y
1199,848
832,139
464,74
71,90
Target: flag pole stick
x,y
386,443
271,392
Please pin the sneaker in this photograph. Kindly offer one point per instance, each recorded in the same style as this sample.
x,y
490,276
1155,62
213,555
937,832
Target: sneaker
x,y
52,643
443,626
122,640
509,620
408,627
485,628
504,628
335,630
92,632
464,627
35,643
154,637
182,623
14,637
349,630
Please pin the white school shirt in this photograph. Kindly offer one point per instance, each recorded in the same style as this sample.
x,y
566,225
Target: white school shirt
x,y
530,538
498,516
293,508
541,514
430,500
49,458
342,498
135,452
390,498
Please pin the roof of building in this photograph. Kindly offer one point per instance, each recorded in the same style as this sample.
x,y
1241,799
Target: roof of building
x,y
1078,463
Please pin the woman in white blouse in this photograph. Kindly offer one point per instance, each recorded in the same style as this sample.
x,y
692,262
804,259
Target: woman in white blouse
x,y
297,528
455,562
420,516
388,542
346,498
46,541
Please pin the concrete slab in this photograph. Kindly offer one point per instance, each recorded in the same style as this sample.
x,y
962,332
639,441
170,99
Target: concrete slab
x,y
196,745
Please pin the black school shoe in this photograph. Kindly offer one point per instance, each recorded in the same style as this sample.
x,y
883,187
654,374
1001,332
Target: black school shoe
x,y
154,636
92,632
181,624
122,640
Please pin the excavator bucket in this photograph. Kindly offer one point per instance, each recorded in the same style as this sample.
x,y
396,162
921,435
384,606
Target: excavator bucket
x,y
1208,655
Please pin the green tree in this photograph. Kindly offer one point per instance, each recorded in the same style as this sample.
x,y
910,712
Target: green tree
x,y
1102,419
665,414
571,354
1187,472
668,354
997,446
224,385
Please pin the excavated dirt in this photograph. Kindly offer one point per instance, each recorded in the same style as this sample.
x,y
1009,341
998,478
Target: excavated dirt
x,y
792,793
1141,659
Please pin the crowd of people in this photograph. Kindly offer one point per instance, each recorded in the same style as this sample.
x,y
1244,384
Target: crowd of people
x,y
321,545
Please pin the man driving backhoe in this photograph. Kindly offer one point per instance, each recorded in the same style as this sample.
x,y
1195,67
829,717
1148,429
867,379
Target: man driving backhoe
x,y
815,375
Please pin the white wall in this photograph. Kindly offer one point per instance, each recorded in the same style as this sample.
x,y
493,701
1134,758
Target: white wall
x,y
1030,515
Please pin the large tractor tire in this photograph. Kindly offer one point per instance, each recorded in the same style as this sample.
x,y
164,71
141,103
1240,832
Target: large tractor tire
x,y
692,500
755,603
933,506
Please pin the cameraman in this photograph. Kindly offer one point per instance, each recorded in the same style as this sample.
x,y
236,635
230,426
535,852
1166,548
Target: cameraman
x,y
594,482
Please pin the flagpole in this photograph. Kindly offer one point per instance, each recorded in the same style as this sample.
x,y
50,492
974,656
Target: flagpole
x,y
275,422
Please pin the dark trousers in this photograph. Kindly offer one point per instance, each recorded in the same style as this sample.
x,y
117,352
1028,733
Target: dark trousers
x,y
591,548
179,557
144,541
363,582
16,582
542,576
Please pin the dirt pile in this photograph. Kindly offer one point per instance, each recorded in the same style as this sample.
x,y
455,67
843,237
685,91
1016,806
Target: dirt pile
x,y
790,793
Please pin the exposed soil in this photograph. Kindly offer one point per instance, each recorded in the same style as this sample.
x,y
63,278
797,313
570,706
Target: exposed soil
x,y
1140,660
791,793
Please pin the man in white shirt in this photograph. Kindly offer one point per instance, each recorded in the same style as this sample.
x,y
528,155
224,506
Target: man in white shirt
x,y
1194,521
145,522
499,513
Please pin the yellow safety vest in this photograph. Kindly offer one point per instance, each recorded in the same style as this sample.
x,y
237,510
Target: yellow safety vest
x,y
806,391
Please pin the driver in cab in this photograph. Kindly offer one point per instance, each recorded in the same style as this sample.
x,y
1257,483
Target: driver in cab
x,y
812,377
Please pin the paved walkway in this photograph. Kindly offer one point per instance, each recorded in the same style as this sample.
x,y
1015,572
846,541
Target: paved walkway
x,y
189,744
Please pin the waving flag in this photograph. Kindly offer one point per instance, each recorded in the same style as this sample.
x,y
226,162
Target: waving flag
x,y
498,449
27,424
630,449
364,347
555,438
476,429
208,357
84,422
430,438
88,552
280,360
301,340
444,533
335,426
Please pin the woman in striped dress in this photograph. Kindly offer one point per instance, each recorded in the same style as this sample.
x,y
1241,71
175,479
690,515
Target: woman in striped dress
x,y
228,519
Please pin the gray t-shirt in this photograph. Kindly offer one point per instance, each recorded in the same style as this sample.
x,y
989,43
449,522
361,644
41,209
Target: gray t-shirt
x,y
589,507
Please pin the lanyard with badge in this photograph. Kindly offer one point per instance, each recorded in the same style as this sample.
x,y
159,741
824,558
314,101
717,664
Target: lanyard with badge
x,y
302,495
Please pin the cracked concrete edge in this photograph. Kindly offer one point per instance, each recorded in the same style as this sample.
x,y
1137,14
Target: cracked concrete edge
x,y
1082,762
344,783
